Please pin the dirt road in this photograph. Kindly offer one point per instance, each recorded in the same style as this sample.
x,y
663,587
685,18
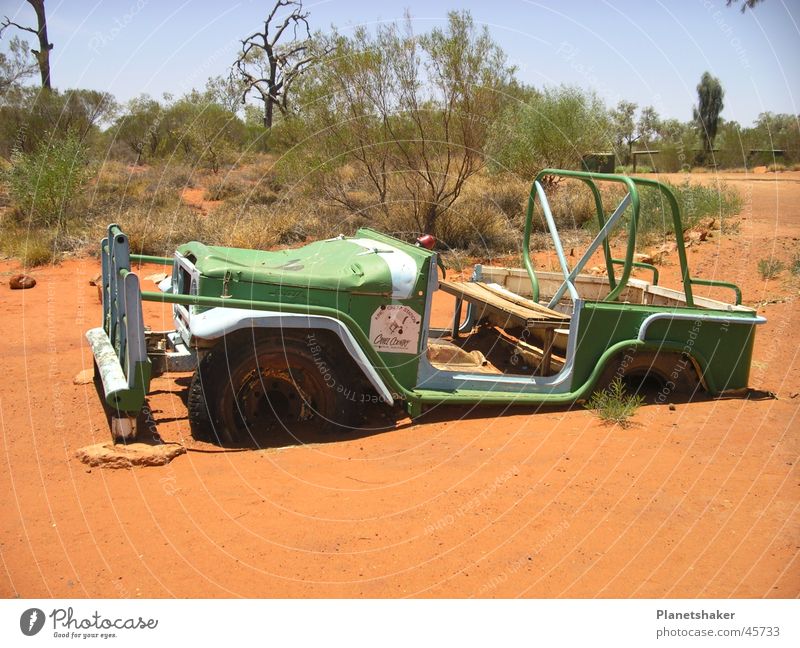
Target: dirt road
x,y
699,501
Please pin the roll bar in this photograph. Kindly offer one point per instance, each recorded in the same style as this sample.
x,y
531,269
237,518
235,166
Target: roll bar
x,y
628,263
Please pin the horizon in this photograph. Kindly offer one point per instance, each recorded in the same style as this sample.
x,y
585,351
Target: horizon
x,y
647,53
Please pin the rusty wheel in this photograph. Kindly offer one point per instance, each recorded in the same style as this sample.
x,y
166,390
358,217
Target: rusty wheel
x,y
244,389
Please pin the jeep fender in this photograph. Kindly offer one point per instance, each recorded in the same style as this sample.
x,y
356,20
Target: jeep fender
x,y
218,322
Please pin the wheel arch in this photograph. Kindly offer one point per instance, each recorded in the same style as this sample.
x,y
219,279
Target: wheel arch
x,y
666,359
217,323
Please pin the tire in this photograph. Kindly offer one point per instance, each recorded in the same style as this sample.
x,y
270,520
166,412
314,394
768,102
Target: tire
x,y
653,375
196,404
247,386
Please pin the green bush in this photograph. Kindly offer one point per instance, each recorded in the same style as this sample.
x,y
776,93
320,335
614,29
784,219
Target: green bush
x,y
696,202
794,265
45,184
554,128
614,405
770,268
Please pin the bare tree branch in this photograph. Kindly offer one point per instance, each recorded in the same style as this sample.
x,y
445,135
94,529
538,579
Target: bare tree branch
x,y
10,23
45,46
267,68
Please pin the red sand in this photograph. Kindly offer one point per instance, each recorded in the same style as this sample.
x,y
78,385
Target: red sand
x,y
700,501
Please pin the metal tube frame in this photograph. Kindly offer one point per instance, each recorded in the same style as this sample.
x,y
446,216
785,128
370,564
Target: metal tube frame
x,y
632,183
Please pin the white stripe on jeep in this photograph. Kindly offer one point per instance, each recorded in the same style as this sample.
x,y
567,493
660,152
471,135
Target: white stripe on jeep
x,y
401,265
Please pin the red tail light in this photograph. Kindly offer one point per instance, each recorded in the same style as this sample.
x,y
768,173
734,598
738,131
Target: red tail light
x,y
427,241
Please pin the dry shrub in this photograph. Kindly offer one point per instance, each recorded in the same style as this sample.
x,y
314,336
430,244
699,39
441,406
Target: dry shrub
x,y
37,251
225,189
248,196
776,167
456,260
770,268
573,207
259,229
262,227
113,173
476,227
259,169
348,190
121,187
31,249
172,176
359,201
158,232
506,192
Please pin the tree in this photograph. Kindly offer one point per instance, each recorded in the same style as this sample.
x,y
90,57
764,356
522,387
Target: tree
x,y
556,128
778,131
671,129
16,65
226,91
28,116
624,127
411,112
43,53
648,124
270,67
202,131
139,127
85,110
706,113
747,4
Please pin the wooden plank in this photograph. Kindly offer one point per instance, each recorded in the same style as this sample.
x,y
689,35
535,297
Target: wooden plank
x,y
496,302
549,313
547,356
533,355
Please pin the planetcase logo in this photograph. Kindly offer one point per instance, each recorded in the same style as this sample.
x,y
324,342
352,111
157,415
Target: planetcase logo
x,y
31,621
67,625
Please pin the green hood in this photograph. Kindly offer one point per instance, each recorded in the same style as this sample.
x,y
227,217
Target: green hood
x,y
368,263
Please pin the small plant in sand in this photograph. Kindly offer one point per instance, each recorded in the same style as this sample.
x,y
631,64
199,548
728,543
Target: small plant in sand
x,y
613,404
770,268
794,265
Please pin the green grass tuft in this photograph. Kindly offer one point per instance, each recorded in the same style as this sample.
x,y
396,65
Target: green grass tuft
x,y
794,265
770,268
614,405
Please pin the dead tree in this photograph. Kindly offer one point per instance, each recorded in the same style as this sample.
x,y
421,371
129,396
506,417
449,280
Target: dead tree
x,y
43,53
268,67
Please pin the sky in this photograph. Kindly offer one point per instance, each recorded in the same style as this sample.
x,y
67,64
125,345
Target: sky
x,y
650,52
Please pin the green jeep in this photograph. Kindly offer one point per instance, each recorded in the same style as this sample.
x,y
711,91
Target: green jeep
x,y
306,336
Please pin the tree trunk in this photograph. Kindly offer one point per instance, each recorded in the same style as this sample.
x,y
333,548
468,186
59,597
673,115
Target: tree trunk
x,y
269,100
43,53
269,106
430,220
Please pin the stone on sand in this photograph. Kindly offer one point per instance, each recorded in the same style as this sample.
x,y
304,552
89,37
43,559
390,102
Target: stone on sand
x,y
110,455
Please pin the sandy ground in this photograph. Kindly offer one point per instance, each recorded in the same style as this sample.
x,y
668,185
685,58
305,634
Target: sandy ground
x,y
699,501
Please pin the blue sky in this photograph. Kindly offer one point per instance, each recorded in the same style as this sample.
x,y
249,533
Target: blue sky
x,y
648,51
